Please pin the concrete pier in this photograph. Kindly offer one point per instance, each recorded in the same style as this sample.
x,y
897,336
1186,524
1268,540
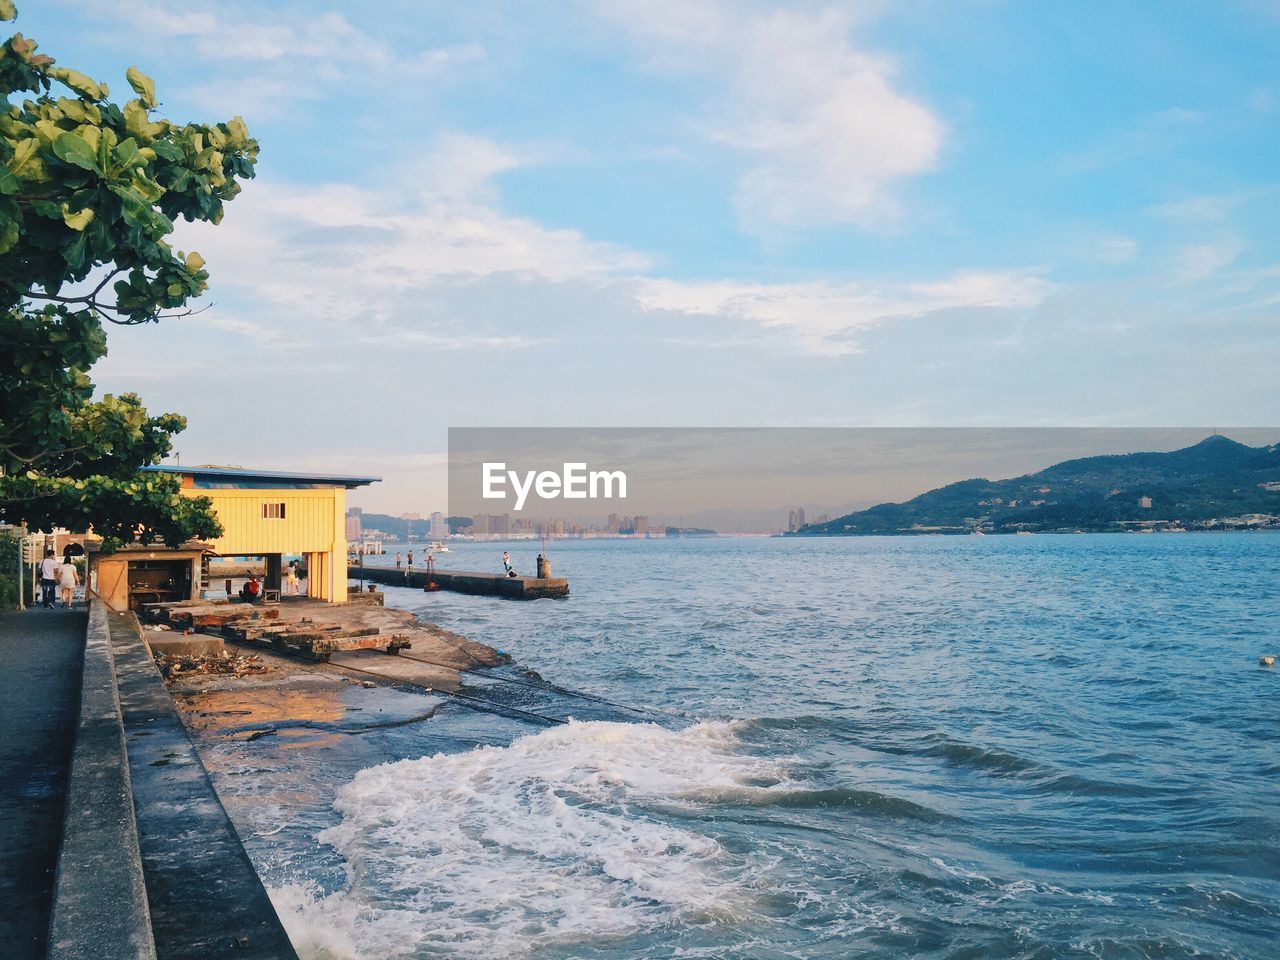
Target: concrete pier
x,y
458,581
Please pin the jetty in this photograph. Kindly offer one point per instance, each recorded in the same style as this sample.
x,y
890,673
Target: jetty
x,y
458,581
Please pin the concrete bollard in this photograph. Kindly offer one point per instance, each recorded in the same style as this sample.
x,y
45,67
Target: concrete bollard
x,y
544,568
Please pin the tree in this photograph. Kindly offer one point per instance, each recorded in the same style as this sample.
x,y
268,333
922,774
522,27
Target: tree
x,y
89,192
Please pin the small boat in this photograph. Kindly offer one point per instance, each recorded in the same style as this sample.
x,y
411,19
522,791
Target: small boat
x,y
435,546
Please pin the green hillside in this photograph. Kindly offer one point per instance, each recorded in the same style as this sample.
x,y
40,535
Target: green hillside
x,y
1215,484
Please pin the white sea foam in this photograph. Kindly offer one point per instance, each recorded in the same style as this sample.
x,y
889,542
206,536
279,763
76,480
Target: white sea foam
x,y
493,852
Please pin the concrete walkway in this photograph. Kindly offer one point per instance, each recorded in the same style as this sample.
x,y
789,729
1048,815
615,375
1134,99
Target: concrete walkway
x,y
41,657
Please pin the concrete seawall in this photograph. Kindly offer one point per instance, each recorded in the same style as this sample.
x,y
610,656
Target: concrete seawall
x,y
205,897
100,900
457,581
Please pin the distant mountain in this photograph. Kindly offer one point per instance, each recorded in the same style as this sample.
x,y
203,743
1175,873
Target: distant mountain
x,y
396,528
1217,483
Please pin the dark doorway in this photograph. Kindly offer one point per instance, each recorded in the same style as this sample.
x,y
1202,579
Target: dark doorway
x,y
158,581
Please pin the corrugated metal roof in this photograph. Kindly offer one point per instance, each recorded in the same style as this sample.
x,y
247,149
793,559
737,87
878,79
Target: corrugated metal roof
x,y
230,475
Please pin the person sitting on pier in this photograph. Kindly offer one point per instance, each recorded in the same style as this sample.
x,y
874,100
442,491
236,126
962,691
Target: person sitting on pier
x,y
251,592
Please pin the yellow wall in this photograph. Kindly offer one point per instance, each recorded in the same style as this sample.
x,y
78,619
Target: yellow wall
x,y
313,524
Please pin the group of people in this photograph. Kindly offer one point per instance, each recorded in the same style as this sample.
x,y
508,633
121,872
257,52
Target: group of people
x,y
507,566
431,564
57,579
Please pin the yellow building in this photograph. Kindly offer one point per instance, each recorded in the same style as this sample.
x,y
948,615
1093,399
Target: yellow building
x,y
264,513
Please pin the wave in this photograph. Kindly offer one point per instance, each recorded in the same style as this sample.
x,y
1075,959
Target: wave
x,y
788,796
960,753
503,850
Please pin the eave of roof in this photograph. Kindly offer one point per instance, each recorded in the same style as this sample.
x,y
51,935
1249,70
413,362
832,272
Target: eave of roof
x,y
231,474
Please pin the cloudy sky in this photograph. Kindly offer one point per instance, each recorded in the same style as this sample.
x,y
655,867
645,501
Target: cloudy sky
x,y
704,212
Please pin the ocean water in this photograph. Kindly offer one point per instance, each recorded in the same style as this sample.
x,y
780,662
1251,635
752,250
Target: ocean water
x,y
938,747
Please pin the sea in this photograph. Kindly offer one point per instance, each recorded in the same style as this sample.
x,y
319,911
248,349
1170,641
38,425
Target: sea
x,y
1032,747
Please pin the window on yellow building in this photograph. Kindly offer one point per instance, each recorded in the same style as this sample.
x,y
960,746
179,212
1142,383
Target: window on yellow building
x,y
273,511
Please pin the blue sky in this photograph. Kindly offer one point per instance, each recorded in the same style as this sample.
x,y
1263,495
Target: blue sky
x,y
708,213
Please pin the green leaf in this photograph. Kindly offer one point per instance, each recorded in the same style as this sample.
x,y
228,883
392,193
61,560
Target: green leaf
x,y
146,187
78,220
169,151
9,184
9,236
136,210
238,131
143,86
126,153
87,87
26,159
74,254
72,149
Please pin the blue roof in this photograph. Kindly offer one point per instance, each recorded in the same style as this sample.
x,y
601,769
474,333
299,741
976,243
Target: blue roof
x,y
230,477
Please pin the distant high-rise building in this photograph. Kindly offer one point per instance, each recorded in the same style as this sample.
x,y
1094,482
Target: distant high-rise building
x,y
353,527
799,517
1144,503
439,529
640,526
791,521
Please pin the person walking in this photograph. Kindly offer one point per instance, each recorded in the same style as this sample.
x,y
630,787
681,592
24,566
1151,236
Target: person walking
x,y
68,580
48,579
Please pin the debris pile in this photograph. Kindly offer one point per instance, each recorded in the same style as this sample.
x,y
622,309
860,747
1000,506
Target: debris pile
x,y
226,663
248,623
205,615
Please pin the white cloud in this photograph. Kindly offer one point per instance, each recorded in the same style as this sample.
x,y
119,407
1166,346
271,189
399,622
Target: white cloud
x,y
825,317
346,257
385,267
1198,261
264,58
1116,249
827,132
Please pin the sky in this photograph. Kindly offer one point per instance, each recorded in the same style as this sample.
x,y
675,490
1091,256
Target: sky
x,y
706,213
